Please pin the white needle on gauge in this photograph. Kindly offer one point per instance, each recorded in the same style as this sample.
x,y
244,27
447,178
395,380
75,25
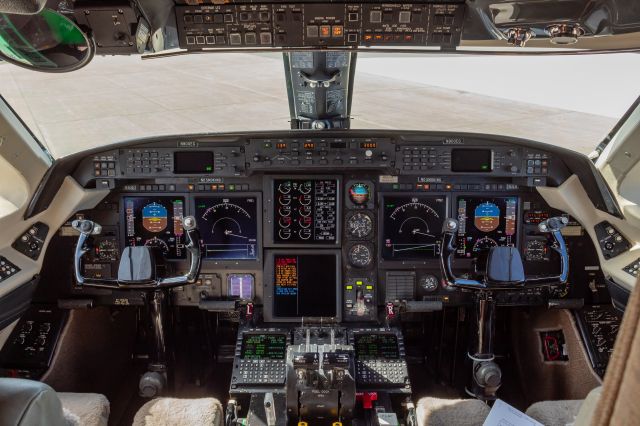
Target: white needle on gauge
x,y
415,231
235,235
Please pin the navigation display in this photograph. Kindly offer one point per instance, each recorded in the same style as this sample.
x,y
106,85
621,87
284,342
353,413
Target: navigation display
x,y
376,346
305,285
155,222
306,211
485,222
264,346
412,226
228,227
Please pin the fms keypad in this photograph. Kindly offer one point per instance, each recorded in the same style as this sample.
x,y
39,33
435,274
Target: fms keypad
x,y
261,359
382,372
380,359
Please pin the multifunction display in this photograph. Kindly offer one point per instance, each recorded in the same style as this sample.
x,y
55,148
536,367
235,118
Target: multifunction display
x,y
412,226
305,285
485,223
376,346
471,160
264,346
228,227
193,162
306,211
155,222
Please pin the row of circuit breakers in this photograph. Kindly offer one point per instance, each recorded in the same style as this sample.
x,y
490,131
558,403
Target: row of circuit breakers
x,y
319,25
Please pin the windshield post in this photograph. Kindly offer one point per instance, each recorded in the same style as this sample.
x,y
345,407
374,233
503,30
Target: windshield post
x,y
320,88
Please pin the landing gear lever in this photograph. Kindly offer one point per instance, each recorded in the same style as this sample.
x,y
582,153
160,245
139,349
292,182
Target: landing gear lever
x,y
504,271
137,271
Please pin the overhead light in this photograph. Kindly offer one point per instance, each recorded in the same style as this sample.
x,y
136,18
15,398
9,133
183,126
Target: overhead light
x,y
564,34
519,36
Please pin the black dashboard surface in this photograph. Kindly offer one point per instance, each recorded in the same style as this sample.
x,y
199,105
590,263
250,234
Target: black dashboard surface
x,y
375,200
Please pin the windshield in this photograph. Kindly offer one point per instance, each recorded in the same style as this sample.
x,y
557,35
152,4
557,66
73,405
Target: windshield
x,y
568,101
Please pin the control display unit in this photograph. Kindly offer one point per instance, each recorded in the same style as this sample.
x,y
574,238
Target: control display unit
x,y
264,346
305,211
485,223
471,160
412,226
193,162
303,284
155,222
376,346
228,227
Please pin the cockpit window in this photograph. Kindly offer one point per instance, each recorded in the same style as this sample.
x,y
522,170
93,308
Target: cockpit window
x,y
569,101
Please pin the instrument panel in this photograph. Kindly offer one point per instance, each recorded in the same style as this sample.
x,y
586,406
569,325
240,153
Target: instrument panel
x,y
363,232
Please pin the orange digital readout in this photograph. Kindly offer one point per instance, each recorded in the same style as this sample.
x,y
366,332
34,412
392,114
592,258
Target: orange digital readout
x,y
309,145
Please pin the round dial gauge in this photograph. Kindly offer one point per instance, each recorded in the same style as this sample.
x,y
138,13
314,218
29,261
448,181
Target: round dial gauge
x,y
484,243
359,193
156,242
107,251
360,225
428,283
360,256
536,250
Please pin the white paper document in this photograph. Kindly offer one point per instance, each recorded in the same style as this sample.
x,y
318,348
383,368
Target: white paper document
x,y
502,414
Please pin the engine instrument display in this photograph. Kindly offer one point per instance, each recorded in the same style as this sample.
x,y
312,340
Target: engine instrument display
x,y
240,286
155,222
485,223
264,346
412,226
304,285
228,227
306,211
376,346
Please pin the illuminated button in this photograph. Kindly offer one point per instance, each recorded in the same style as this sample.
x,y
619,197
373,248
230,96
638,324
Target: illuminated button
x,y
408,37
325,31
312,31
405,17
368,37
375,16
369,287
235,38
265,38
250,38
359,283
337,30
378,37
349,287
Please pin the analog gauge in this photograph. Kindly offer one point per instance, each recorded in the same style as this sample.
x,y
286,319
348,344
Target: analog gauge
x,y
304,200
107,251
285,221
428,283
484,243
305,188
284,200
536,250
305,211
305,234
412,227
156,242
359,193
360,256
284,187
360,225
285,211
284,233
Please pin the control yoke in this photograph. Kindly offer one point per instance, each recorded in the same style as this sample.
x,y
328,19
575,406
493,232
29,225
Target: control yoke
x,y
504,265
137,264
